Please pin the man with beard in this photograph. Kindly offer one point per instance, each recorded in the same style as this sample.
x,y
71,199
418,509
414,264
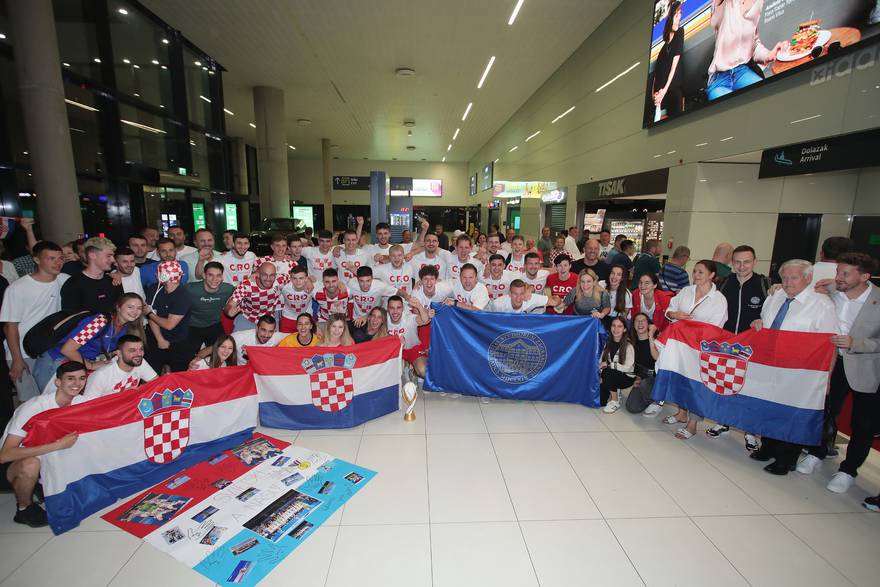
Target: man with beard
x,y
256,296
125,371
591,261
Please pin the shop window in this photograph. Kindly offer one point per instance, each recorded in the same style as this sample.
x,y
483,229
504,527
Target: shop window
x,y
166,207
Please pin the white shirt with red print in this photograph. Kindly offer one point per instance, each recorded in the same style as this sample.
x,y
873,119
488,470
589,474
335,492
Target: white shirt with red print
x,y
282,267
348,264
236,270
501,286
254,301
362,302
327,305
479,296
294,302
517,265
442,291
441,262
318,261
408,328
111,379
455,265
401,278
539,282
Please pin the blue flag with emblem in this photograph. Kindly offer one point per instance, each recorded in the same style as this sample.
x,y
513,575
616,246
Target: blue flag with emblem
x,y
515,356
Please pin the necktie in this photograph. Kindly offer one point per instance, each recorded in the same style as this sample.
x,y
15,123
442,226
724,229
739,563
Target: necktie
x,y
780,316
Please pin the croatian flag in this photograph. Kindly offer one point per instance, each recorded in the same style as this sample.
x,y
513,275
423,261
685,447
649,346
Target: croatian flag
x,y
134,439
332,387
771,382
7,225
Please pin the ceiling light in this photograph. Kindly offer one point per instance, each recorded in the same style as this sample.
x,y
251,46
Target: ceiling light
x,y
409,133
405,72
703,180
154,61
162,66
409,122
443,160
561,115
66,64
805,119
618,76
515,12
208,100
292,148
512,149
81,105
205,67
533,135
122,11
497,160
701,144
126,61
165,41
672,152
136,95
657,155
455,134
303,122
467,111
229,112
142,126
197,63
449,147
726,139
252,125
96,60
2,36
334,147
161,105
486,72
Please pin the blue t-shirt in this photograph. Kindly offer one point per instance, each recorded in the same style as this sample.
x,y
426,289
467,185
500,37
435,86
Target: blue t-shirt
x,y
673,278
86,333
149,276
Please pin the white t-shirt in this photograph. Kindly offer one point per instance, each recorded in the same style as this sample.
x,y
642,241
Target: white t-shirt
x,y
360,258
378,249
823,270
9,271
318,261
503,304
111,379
29,409
442,290
455,265
363,302
282,267
517,265
479,296
235,270
27,301
539,282
294,302
132,283
191,256
499,287
248,337
441,262
399,277
408,327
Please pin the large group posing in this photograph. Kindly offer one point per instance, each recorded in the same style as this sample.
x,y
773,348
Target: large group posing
x,y
93,317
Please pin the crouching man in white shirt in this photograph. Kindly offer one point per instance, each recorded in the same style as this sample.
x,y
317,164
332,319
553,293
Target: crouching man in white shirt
x,y
467,292
23,469
126,371
521,300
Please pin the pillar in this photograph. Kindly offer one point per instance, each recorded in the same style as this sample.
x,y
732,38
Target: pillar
x,y
327,182
530,217
45,118
271,152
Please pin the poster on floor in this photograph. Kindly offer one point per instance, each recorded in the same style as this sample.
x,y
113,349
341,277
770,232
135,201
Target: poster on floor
x,y
235,516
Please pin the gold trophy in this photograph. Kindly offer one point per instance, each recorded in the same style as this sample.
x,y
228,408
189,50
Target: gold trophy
x,y
410,393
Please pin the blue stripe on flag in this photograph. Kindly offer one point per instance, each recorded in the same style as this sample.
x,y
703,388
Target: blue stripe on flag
x,y
92,493
779,421
363,407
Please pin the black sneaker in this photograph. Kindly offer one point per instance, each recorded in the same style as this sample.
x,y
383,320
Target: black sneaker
x,y
872,503
33,516
717,430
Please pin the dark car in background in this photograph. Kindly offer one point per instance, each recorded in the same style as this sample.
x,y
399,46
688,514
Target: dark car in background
x,y
261,238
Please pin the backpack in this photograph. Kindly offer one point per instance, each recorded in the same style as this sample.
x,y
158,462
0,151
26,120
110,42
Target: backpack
x,y
49,331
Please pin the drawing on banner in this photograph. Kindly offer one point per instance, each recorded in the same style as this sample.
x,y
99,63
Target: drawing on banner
x,y
173,535
331,380
517,357
166,424
723,366
282,514
255,451
154,509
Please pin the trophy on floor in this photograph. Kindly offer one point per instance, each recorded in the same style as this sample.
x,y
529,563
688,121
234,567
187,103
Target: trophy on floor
x,y
410,393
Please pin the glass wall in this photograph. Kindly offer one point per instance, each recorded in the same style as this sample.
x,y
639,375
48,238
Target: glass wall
x,y
82,116
199,100
141,56
78,38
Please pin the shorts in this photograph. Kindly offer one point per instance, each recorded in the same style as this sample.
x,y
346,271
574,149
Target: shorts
x,y
410,355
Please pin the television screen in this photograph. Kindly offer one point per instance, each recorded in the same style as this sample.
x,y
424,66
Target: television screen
x,y
487,179
703,51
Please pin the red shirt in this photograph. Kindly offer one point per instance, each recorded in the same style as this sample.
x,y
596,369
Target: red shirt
x,y
561,288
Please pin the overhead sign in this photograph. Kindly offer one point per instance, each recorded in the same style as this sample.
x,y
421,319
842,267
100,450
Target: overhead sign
x,y
554,197
426,188
487,179
303,213
852,151
231,217
351,182
638,184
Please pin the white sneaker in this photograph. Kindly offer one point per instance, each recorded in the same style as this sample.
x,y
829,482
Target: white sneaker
x,y
808,464
840,482
484,400
611,407
652,410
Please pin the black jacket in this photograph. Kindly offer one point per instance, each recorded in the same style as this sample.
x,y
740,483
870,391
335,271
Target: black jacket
x,y
744,302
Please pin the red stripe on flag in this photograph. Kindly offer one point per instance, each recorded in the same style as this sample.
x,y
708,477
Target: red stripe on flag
x,y
784,349
288,361
211,386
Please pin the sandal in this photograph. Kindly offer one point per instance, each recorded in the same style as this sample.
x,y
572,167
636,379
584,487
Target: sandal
x,y
684,434
672,420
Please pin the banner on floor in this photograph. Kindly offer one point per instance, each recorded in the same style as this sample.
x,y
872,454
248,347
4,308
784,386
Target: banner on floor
x,y
131,440
767,382
235,516
332,387
515,356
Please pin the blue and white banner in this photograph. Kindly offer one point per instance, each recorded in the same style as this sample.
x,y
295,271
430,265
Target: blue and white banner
x,y
515,356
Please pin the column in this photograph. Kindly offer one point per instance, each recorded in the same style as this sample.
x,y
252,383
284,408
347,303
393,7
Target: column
x,y
45,118
327,182
271,152
530,218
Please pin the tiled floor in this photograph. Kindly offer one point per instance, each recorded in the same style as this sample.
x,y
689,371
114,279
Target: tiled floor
x,y
525,493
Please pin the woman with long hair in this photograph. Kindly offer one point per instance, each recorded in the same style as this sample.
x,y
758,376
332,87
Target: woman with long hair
x,y
616,366
306,334
587,298
666,91
652,301
377,324
701,302
643,338
93,339
618,295
336,332
224,354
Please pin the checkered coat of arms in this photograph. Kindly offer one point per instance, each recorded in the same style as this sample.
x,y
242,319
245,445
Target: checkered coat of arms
x,y
723,366
166,424
331,380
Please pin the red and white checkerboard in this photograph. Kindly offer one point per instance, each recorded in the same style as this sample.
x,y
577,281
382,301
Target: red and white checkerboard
x,y
90,330
722,375
166,435
255,301
332,389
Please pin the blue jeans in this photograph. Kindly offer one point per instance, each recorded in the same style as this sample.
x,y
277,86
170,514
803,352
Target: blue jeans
x,y
44,370
722,83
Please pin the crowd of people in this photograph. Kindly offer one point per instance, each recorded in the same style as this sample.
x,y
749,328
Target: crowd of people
x,y
92,317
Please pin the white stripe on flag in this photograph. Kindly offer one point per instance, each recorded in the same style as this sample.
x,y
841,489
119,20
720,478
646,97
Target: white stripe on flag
x,y
296,389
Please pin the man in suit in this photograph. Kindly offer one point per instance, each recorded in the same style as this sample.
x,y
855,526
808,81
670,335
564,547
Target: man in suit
x,y
857,302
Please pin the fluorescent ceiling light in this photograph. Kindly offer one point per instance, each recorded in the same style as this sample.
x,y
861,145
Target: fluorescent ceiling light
x,y
533,135
208,100
443,160
467,111
657,155
197,63
66,64
252,125
126,61
805,119
154,61
726,139
122,11
561,115
229,112
292,148
96,60
618,76
165,41
701,144
143,126
449,147
497,160
81,105
2,36
455,135
515,12
512,149
672,152
486,72
162,66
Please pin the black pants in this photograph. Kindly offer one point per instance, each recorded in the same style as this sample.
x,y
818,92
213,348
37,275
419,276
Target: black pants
x,y
175,356
865,425
613,380
673,101
199,336
640,397
785,453
833,405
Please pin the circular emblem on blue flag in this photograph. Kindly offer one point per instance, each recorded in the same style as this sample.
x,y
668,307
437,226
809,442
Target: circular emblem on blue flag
x,y
517,357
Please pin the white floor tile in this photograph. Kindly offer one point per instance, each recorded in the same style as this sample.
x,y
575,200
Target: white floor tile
x,y
673,551
617,482
508,416
542,484
569,417
398,494
847,541
16,549
381,556
83,559
566,553
767,553
480,554
623,421
149,567
444,415
394,423
309,563
465,481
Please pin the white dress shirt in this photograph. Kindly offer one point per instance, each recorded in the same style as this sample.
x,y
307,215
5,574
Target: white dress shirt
x,y
823,270
572,249
848,309
809,312
711,308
